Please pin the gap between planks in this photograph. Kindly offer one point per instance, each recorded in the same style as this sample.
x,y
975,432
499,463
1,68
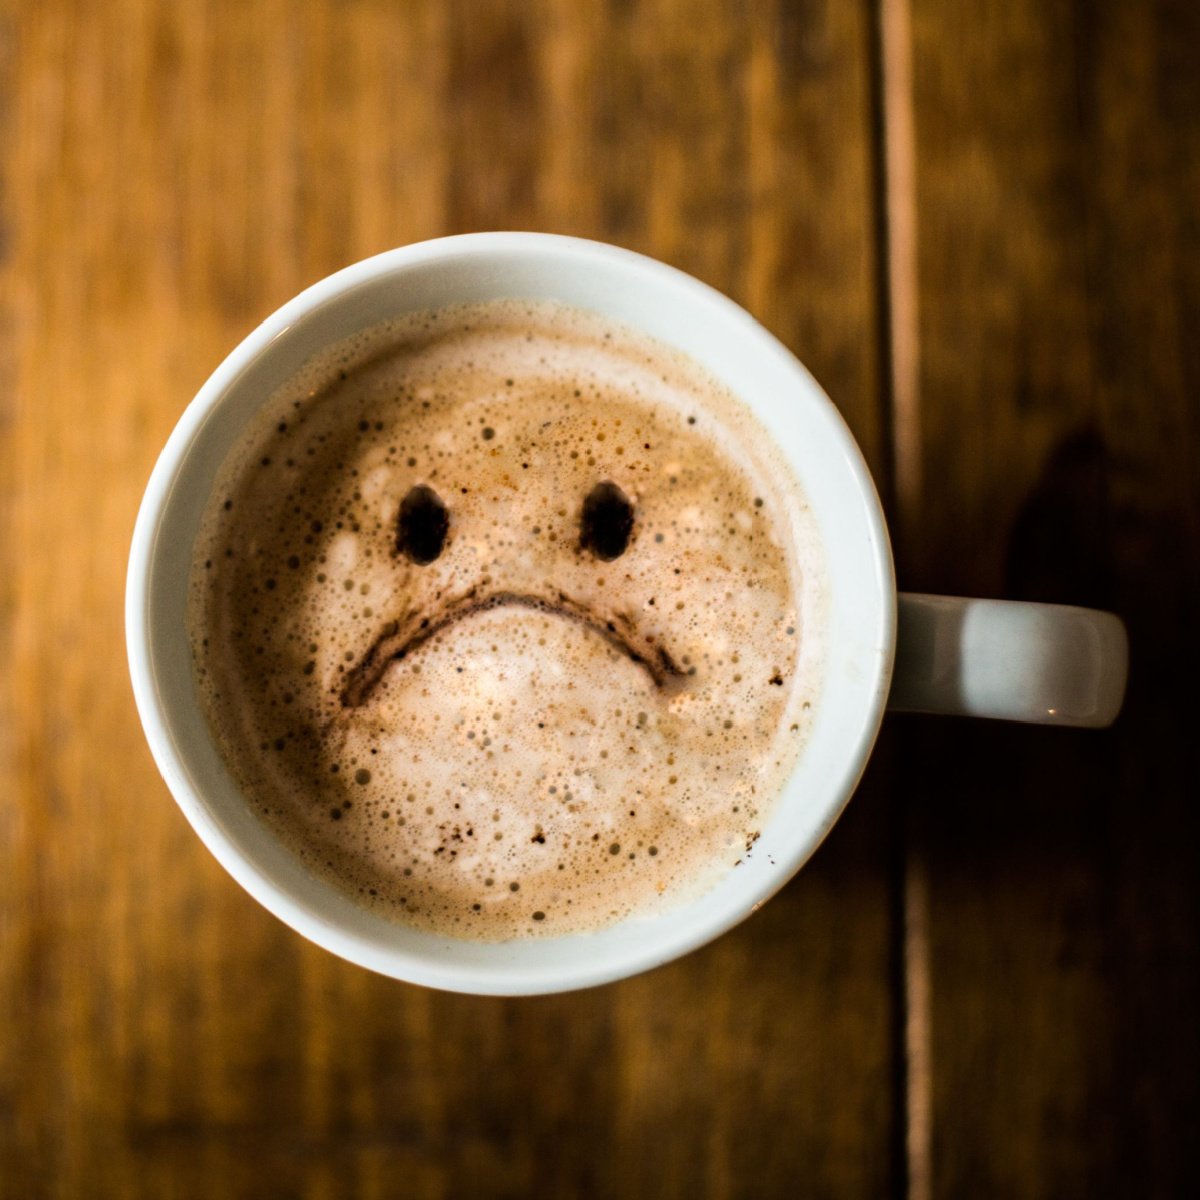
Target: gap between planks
x,y
896,250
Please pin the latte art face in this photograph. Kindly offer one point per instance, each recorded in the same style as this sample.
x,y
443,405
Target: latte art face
x,y
509,621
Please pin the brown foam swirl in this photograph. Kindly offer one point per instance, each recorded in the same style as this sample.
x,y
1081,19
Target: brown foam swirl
x,y
398,639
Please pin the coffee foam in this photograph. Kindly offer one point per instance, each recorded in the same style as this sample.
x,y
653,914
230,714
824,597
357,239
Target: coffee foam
x,y
493,745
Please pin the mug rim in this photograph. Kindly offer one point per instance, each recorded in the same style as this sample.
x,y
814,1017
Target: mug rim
x,y
152,707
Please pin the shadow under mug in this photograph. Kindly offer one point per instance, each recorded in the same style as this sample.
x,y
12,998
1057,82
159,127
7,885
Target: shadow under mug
x,y
1019,661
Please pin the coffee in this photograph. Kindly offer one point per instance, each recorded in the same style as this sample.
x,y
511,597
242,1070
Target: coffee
x,y
509,621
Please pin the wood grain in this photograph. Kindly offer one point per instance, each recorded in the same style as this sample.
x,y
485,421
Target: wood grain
x,y
986,250
172,174
1059,314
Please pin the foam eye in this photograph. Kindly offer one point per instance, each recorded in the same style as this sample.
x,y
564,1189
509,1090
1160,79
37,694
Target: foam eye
x,y
607,521
424,520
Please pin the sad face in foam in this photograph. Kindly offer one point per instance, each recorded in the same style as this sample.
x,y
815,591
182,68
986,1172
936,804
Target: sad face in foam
x,y
501,632
606,524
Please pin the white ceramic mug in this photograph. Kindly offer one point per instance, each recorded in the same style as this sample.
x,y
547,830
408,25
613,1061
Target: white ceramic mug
x,y
1029,662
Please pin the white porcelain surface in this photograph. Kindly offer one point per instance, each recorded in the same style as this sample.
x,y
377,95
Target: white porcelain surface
x,y
1049,664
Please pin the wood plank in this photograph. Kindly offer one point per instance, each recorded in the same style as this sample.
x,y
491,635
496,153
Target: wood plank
x,y
172,174
1059,311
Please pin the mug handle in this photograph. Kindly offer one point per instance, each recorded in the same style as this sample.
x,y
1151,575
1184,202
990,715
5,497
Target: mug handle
x,y
1049,664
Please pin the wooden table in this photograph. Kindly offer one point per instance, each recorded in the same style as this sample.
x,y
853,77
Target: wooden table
x,y
977,224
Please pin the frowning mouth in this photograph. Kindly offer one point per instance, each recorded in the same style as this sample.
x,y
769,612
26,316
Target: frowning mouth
x,y
397,640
